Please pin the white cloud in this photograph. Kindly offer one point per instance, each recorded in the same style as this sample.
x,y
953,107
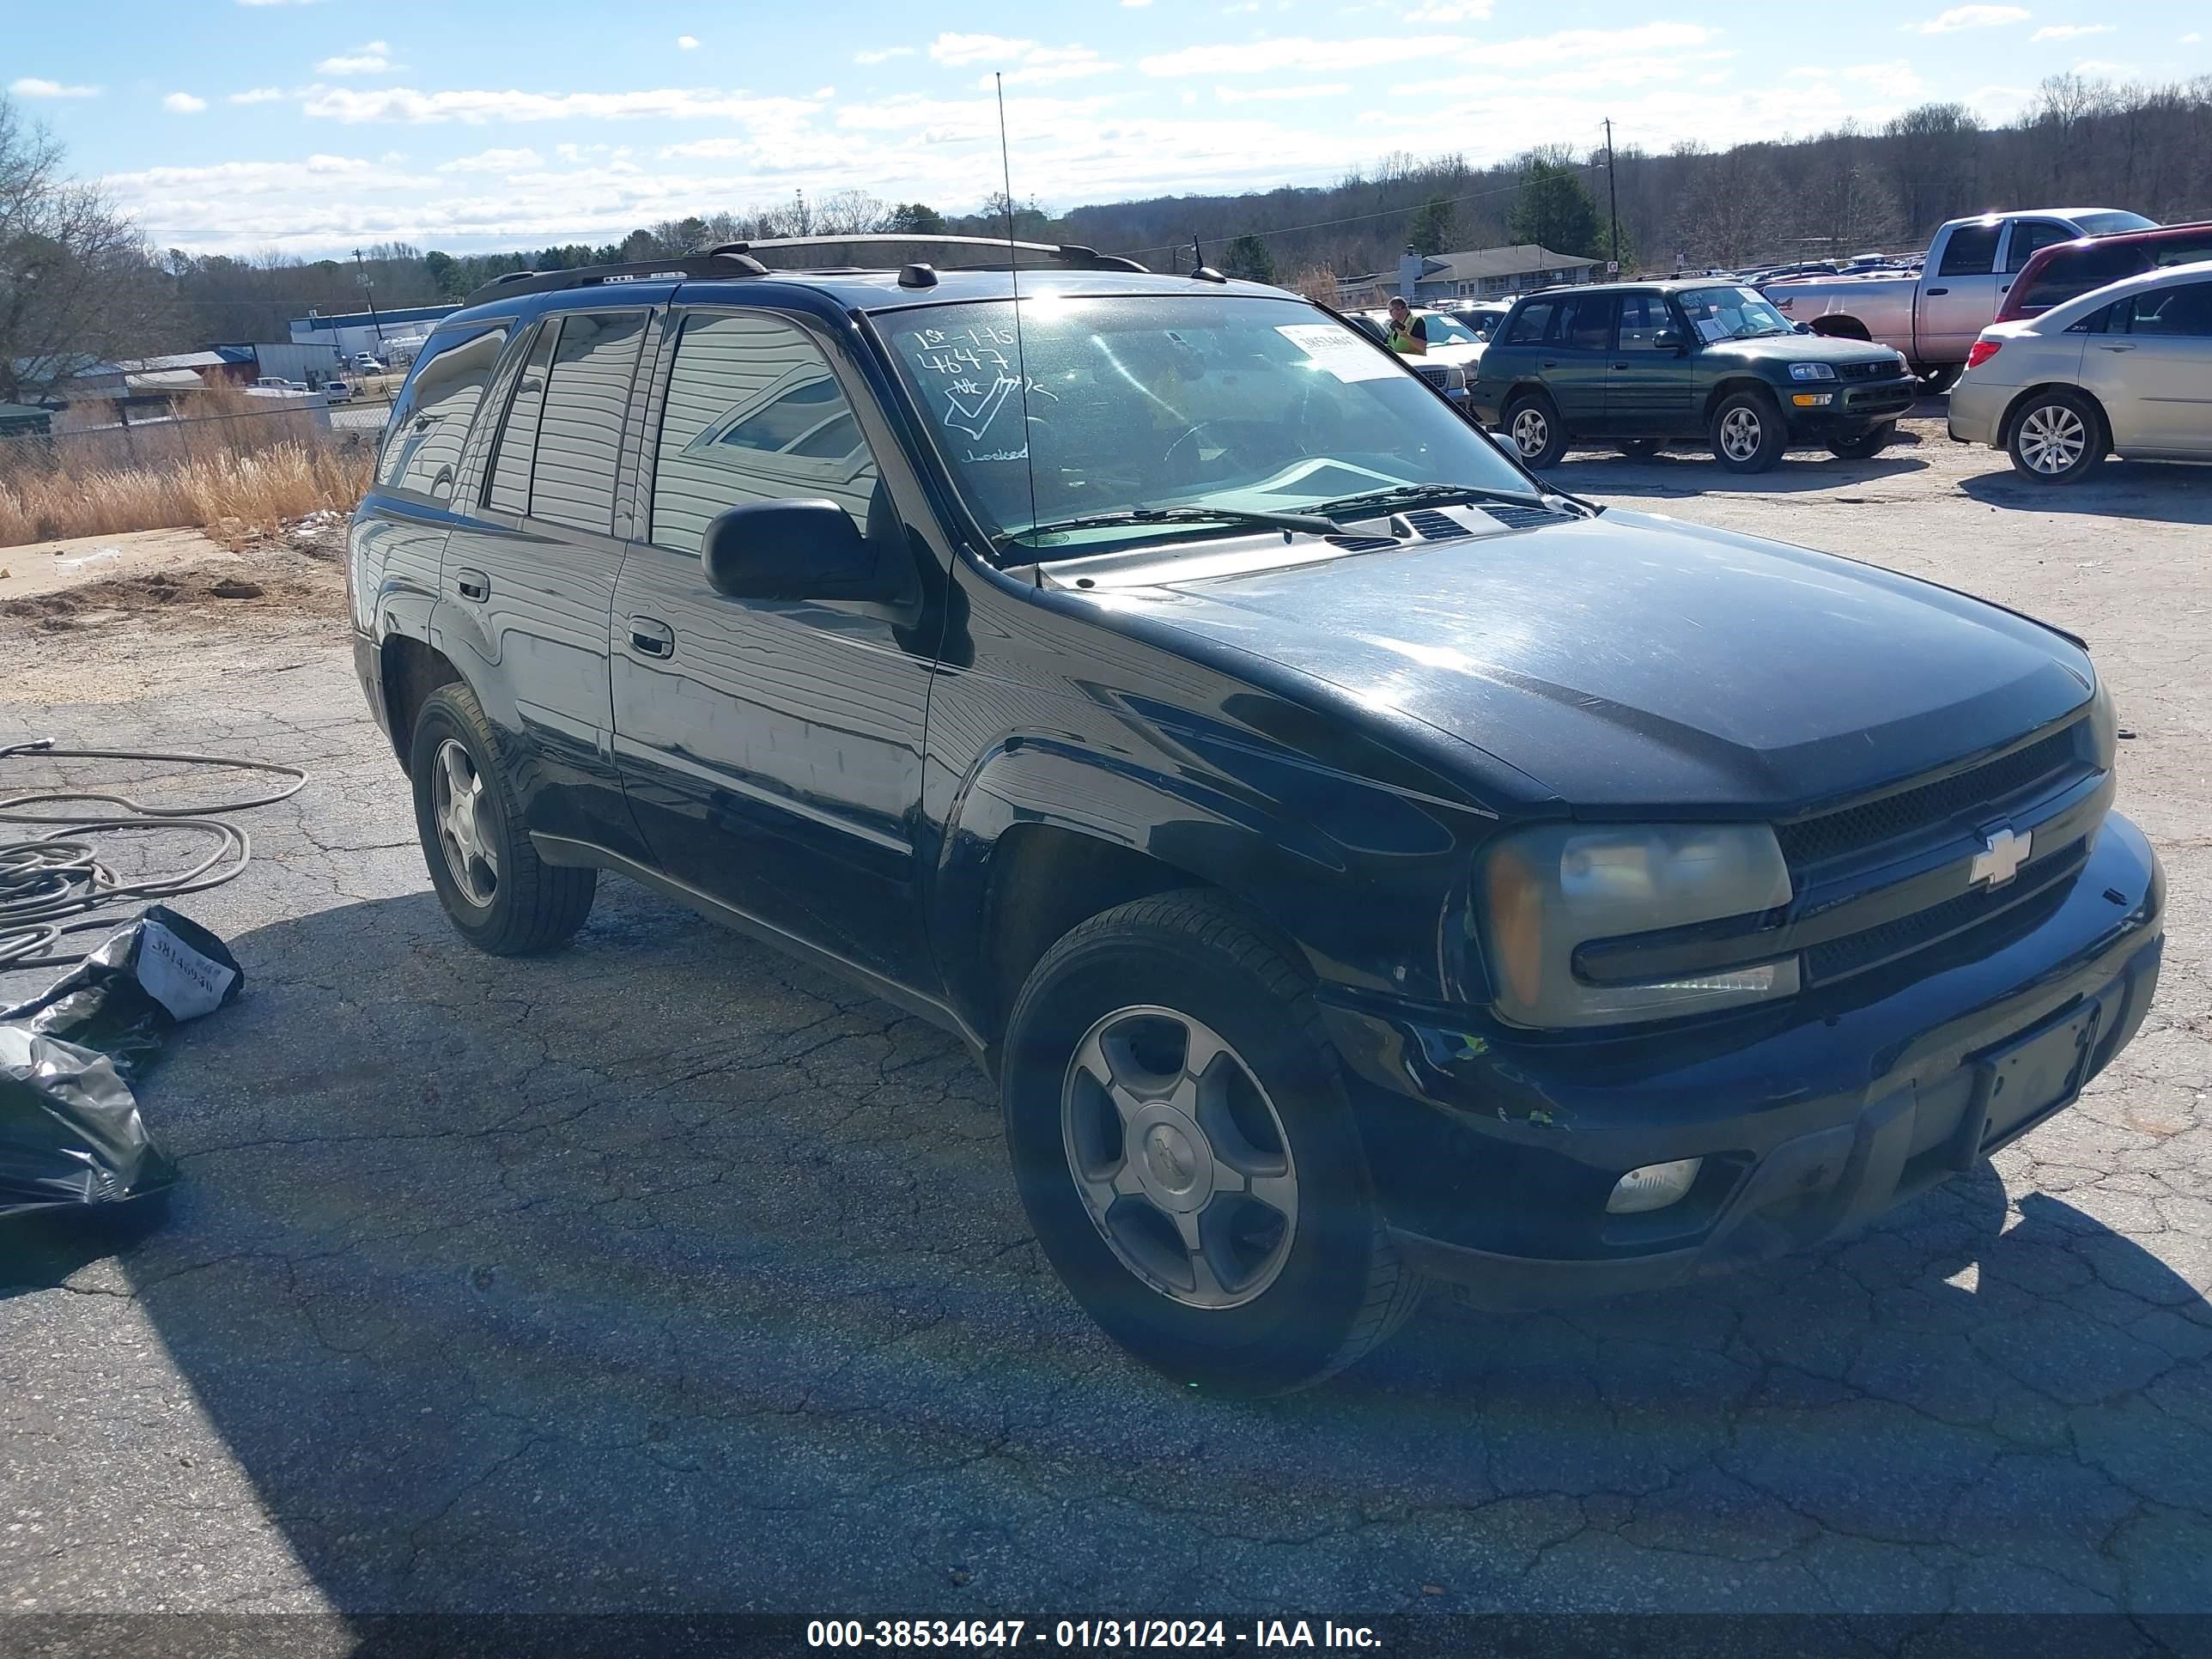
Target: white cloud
x,y
1450,11
1048,63
260,95
2104,66
2191,37
1277,94
958,48
1296,55
1895,79
495,161
371,58
884,55
1969,17
279,2
478,107
2069,31
32,86
1135,4
687,43
183,103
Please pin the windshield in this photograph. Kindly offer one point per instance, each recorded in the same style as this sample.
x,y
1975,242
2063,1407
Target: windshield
x,y
2107,224
1141,403
1449,330
1731,313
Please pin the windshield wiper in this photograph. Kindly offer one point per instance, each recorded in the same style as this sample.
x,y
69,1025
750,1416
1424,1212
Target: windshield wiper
x,y
1304,524
1424,494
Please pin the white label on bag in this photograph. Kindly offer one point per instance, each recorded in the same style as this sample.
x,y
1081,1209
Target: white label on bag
x,y
179,977
1347,355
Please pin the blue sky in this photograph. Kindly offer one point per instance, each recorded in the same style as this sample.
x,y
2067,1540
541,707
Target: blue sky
x,y
308,126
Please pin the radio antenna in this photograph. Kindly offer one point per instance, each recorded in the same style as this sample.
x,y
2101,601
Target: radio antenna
x,y
1014,278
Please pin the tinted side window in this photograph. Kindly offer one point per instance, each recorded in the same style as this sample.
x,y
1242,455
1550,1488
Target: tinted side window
x,y
422,445
2029,236
2065,275
586,395
1532,323
1590,327
2181,250
754,414
1972,251
517,438
1642,317
2168,312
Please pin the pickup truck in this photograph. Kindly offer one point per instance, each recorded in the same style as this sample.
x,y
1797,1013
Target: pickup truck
x,y
1934,318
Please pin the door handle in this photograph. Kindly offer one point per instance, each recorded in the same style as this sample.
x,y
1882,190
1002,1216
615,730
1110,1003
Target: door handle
x,y
1551,362
1934,292
652,638
471,584
2005,288
2116,345
1621,365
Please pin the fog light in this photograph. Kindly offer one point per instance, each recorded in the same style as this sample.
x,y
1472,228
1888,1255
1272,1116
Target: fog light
x,y
1812,399
1654,1186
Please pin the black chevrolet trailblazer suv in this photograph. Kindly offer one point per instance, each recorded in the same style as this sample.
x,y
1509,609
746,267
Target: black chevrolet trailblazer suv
x,y
1357,864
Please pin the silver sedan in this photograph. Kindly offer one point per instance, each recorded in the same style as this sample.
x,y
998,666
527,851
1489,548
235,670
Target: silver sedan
x,y
2125,369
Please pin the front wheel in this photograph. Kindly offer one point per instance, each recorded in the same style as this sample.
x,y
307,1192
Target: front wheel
x,y
1185,1151
1864,446
2057,437
1747,432
1532,421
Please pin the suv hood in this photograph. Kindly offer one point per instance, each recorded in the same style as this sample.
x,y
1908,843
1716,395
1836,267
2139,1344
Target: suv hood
x,y
1802,349
1635,663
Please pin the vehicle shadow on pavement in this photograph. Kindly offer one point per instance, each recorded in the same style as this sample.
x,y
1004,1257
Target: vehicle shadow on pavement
x,y
661,1273
2171,492
1693,474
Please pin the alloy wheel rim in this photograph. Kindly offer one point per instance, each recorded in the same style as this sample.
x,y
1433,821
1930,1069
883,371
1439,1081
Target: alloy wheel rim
x,y
2052,438
1740,434
1530,431
457,804
1179,1156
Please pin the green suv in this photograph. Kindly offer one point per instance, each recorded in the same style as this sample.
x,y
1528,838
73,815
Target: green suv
x,y
1637,364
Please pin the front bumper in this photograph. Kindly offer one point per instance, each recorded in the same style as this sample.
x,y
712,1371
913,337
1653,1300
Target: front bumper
x,y
1859,405
1493,1149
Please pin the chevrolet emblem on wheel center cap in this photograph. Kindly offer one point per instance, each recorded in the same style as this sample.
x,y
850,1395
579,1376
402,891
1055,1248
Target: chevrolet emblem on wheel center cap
x,y
2000,859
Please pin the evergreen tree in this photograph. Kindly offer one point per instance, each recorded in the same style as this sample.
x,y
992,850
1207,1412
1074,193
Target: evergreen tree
x,y
1248,257
1555,210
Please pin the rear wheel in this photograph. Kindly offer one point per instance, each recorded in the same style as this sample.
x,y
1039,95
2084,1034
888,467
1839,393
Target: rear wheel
x,y
1532,421
2057,437
1184,1148
494,889
1865,445
1747,432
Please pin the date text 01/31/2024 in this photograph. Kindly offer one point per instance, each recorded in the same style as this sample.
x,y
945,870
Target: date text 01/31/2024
x,y
1014,1633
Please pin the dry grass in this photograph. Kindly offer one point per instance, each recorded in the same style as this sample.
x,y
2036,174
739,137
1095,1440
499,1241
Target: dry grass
x,y
228,495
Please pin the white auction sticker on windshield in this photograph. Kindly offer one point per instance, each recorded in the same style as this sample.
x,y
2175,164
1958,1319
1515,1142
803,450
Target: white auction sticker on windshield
x,y
1343,354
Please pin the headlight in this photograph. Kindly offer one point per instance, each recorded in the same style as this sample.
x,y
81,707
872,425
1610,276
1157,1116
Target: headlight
x,y
2103,725
1811,372
1547,889
1455,379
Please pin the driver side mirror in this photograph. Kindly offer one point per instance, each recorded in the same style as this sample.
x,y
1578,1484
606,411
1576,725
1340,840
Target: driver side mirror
x,y
1667,339
801,549
1801,328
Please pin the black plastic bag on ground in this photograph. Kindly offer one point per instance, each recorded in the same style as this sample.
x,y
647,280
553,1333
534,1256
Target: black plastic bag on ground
x,y
70,1134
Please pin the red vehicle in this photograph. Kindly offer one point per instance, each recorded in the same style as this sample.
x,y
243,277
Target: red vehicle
x,y
2058,273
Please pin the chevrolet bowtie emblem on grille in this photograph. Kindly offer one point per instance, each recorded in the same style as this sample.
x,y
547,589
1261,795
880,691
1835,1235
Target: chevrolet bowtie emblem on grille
x,y
2000,859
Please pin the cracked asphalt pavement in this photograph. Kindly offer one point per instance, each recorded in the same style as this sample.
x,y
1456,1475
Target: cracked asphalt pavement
x,y
663,1273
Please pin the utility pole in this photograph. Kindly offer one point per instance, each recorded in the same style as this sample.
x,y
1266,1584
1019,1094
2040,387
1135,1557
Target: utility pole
x,y
363,276
1611,200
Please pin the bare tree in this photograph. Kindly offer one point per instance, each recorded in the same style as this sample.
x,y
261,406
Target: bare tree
x,y
77,283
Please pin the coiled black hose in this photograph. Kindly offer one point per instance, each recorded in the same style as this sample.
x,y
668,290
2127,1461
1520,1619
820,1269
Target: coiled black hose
x,y
51,885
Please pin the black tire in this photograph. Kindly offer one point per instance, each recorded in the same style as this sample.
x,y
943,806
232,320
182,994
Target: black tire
x,y
1640,449
1937,379
1339,1287
1531,426
2035,437
1747,432
526,905
1865,445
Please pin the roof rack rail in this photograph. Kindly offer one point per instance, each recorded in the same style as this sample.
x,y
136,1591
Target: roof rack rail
x,y
693,266
739,259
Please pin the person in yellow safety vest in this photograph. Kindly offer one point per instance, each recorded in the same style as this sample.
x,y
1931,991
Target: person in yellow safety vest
x,y
1407,333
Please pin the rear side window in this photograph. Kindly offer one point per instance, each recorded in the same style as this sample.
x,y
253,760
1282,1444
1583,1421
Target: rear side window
x,y
1532,323
2074,272
754,414
517,438
1972,251
422,446
572,479
2184,312
2181,250
1591,325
